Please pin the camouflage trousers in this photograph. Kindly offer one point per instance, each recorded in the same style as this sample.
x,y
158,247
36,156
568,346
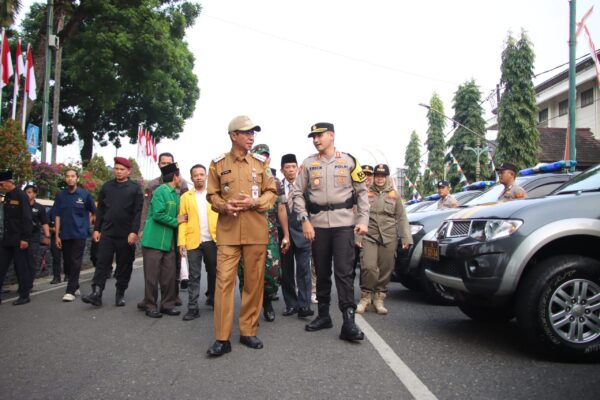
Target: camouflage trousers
x,y
272,267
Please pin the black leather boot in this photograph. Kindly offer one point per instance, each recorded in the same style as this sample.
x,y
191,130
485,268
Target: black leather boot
x,y
268,311
349,329
94,298
120,298
323,320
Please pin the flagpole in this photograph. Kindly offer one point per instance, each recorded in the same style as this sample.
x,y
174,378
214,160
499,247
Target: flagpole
x,y
16,88
1,72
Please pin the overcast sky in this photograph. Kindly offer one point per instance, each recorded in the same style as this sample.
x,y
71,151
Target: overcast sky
x,y
363,66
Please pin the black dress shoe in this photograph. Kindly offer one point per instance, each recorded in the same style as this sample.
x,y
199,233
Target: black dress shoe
x,y
251,341
20,301
120,299
184,284
191,314
170,311
304,312
142,306
153,314
209,302
55,281
290,311
219,348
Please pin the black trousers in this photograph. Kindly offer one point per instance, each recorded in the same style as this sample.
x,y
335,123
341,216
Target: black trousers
x,y
7,255
34,259
125,255
56,259
337,245
72,250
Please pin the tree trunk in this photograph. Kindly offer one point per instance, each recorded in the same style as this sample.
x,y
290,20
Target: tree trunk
x,y
87,150
56,100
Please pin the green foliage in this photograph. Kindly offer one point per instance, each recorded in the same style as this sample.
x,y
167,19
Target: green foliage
x,y
13,152
48,178
435,142
412,161
468,112
518,136
125,62
8,11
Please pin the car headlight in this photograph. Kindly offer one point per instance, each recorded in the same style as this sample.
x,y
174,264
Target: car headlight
x,y
414,229
493,229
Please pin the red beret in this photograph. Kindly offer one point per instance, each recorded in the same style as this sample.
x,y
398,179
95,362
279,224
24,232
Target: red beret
x,y
123,161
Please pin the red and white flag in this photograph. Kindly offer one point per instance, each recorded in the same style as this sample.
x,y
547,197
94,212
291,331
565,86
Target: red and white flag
x,y
30,86
20,66
148,144
154,154
7,67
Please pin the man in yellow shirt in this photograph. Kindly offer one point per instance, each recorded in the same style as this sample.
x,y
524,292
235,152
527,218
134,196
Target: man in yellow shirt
x,y
197,240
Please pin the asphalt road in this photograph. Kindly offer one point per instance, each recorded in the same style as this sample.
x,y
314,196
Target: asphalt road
x,y
56,350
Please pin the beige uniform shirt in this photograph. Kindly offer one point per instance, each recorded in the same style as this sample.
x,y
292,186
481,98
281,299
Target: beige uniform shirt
x,y
387,217
229,176
513,192
329,182
447,202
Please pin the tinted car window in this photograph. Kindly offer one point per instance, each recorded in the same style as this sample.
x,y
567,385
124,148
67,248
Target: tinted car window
x,y
587,181
543,190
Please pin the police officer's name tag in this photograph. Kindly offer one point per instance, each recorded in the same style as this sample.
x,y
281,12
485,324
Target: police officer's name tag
x,y
255,192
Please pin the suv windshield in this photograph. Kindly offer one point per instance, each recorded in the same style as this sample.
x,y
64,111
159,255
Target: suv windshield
x,y
491,195
587,181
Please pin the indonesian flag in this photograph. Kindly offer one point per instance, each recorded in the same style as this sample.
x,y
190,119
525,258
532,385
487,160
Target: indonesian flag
x,y
20,62
7,67
154,154
148,144
141,142
30,87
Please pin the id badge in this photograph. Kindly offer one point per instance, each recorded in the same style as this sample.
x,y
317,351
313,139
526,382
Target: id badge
x,y
255,192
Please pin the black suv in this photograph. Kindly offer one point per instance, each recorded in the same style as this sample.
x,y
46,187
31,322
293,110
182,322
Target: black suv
x,y
536,259
409,270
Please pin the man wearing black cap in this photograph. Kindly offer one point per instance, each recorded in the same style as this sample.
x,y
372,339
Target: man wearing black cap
x,y
73,207
117,224
507,177
368,171
295,286
446,199
158,245
17,234
334,183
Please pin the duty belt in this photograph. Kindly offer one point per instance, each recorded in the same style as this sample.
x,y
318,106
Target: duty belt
x,y
317,208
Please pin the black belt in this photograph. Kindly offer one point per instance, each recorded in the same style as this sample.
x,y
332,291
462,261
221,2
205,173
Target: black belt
x,y
317,208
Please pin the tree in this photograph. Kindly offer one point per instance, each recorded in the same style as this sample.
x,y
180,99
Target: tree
x,y
8,11
435,142
13,152
469,113
125,62
412,160
518,136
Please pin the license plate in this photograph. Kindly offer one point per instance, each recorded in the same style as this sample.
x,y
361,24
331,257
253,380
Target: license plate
x,y
431,250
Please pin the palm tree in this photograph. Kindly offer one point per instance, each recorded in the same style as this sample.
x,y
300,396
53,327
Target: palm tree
x,y
8,10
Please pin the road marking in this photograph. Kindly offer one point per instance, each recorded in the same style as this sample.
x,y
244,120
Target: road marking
x,y
405,374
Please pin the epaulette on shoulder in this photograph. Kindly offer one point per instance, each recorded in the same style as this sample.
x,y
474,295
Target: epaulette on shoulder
x,y
259,157
219,158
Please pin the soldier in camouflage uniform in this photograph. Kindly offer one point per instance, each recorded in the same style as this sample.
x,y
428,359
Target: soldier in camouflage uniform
x,y
507,177
275,219
446,199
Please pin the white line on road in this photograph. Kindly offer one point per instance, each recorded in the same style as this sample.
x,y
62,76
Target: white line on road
x,y
405,374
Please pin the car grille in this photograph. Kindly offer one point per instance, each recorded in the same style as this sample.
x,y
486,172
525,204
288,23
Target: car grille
x,y
445,267
459,228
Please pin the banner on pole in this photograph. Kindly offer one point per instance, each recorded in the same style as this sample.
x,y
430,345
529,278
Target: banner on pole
x,y
33,138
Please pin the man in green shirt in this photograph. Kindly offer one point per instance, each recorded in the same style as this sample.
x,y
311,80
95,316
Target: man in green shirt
x,y
158,245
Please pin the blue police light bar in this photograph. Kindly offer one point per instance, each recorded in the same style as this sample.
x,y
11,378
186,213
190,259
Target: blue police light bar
x,y
433,197
479,185
551,167
408,203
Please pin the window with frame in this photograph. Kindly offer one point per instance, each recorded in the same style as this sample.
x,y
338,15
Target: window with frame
x,y
587,97
543,116
563,107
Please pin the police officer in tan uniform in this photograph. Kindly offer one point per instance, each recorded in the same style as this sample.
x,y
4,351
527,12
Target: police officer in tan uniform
x,y
334,184
507,177
446,199
241,189
368,171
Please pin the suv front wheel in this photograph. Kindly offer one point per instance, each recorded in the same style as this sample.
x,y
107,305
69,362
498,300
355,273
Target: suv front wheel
x,y
558,307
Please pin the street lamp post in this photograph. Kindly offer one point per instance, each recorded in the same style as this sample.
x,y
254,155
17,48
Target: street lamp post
x,y
478,152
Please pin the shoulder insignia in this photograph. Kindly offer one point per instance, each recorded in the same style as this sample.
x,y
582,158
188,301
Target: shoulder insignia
x,y
357,173
268,173
219,158
392,194
259,157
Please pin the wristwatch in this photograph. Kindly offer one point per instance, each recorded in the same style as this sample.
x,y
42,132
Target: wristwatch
x,y
304,218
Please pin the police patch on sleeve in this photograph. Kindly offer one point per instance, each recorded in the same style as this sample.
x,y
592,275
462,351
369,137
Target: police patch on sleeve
x,y
357,173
